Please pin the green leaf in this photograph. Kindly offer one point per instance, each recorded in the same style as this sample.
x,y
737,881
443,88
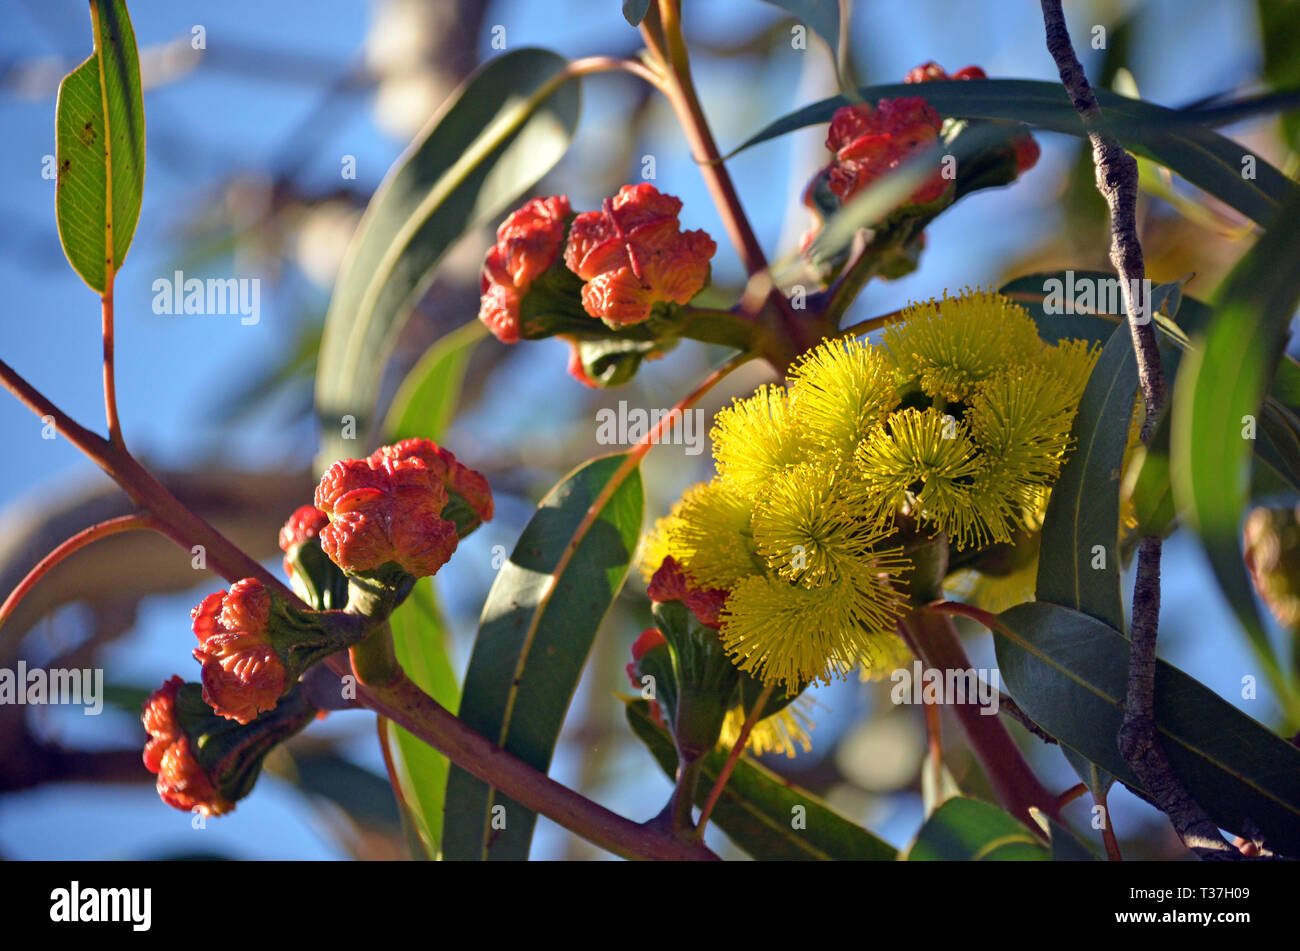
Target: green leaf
x,y
820,16
538,625
1165,136
634,11
1083,511
420,639
99,145
1279,31
1069,673
758,809
1065,845
1031,292
426,401
510,123
967,830
1219,394
1094,777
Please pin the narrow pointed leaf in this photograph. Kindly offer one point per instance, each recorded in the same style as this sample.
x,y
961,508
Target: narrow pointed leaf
x,y
99,149
537,628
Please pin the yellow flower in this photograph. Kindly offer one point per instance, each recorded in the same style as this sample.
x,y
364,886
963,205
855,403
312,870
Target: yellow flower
x,y
708,533
1021,421
925,462
755,438
790,635
843,390
806,528
779,733
949,346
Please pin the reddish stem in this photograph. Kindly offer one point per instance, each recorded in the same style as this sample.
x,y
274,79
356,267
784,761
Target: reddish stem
x,y
933,639
733,757
112,526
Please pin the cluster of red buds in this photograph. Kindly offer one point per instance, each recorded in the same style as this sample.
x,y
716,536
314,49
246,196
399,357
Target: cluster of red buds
x,y
620,266
377,525
867,142
404,507
204,762
1026,149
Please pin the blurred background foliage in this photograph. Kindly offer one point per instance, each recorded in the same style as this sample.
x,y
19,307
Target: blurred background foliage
x,y
249,140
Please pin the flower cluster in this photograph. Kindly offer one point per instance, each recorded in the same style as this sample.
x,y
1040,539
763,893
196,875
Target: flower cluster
x,y
383,522
390,508
956,423
555,273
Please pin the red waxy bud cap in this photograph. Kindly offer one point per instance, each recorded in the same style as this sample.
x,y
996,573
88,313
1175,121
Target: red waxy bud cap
x,y
528,242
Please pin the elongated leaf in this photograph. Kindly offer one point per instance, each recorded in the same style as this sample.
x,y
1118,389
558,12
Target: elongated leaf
x,y
1094,777
1217,403
426,400
967,830
820,16
510,123
538,625
99,148
1065,845
760,810
1069,673
634,11
1165,136
420,639
1083,512
1032,291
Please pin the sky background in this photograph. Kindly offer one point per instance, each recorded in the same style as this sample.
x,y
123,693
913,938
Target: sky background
x,y
213,124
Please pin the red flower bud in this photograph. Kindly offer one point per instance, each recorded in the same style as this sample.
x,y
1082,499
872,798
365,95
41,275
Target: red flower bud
x,y
649,639
869,143
182,781
304,524
455,476
632,254
926,72
1025,147
385,513
242,674
576,368
671,583
528,242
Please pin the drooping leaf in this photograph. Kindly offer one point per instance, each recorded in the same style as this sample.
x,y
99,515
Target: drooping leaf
x,y
1065,845
420,640
426,400
1083,511
1167,137
507,126
99,149
820,16
1069,673
1037,292
1217,402
762,812
967,830
537,628
634,11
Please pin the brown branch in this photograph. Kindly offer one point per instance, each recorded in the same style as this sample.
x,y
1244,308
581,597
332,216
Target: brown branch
x,y
1117,180
932,638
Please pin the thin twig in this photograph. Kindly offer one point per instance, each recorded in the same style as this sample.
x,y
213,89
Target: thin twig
x,y
733,758
112,526
110,379
1117,180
